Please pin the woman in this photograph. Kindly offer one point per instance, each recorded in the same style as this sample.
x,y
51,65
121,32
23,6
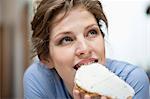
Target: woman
x,y
67,33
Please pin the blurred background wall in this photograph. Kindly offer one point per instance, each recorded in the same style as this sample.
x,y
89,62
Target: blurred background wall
x,y
129,31
14,45
128,40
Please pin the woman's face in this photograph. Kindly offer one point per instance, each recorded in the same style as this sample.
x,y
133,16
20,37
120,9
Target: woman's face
x,y
74,41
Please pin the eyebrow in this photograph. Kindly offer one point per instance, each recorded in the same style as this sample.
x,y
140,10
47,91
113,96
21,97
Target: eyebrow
x,y
91,26
69,32
62,33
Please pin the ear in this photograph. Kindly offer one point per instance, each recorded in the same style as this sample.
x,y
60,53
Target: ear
x,y
48,62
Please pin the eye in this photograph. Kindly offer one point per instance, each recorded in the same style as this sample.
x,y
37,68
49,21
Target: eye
x,y
65,40
92,34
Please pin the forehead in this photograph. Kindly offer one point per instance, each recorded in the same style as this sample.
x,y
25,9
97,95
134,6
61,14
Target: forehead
x,y
63,14
76,17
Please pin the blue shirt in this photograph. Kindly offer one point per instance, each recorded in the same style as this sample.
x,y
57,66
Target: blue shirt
x,y
43,83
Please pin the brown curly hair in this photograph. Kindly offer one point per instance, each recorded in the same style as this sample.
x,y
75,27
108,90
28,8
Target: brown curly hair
x,y
45,14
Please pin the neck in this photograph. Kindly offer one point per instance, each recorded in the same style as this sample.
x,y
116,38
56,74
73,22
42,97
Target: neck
x,y
69,87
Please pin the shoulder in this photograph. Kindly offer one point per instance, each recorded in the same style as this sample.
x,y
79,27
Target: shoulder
x,y
36,69
135,76
120,68
138,79
38,80
39,73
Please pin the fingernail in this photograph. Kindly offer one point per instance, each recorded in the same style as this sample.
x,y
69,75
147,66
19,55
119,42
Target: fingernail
x,y
86,96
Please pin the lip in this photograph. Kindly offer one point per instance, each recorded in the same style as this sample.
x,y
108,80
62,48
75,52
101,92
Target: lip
x,y
85,61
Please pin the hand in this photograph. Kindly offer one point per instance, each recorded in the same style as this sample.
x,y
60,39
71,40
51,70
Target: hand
x,y
79,95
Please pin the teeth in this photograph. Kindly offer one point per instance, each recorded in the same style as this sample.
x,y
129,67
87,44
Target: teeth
x,y
88,63
78,65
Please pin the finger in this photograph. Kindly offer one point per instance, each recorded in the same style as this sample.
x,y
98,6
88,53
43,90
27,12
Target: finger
x,y
129,97
103,97
76,94
86,96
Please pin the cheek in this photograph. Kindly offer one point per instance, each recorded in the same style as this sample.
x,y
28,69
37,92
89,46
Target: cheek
x,y
62,56
98,45
102,52
63,60
99,48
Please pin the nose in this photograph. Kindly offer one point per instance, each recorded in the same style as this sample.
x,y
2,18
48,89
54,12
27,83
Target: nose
x,y
83,49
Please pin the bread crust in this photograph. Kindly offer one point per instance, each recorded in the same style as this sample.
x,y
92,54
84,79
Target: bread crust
x,y
93,95
81,90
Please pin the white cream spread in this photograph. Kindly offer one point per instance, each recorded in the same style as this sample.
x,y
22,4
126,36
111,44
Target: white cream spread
x,y
96,78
